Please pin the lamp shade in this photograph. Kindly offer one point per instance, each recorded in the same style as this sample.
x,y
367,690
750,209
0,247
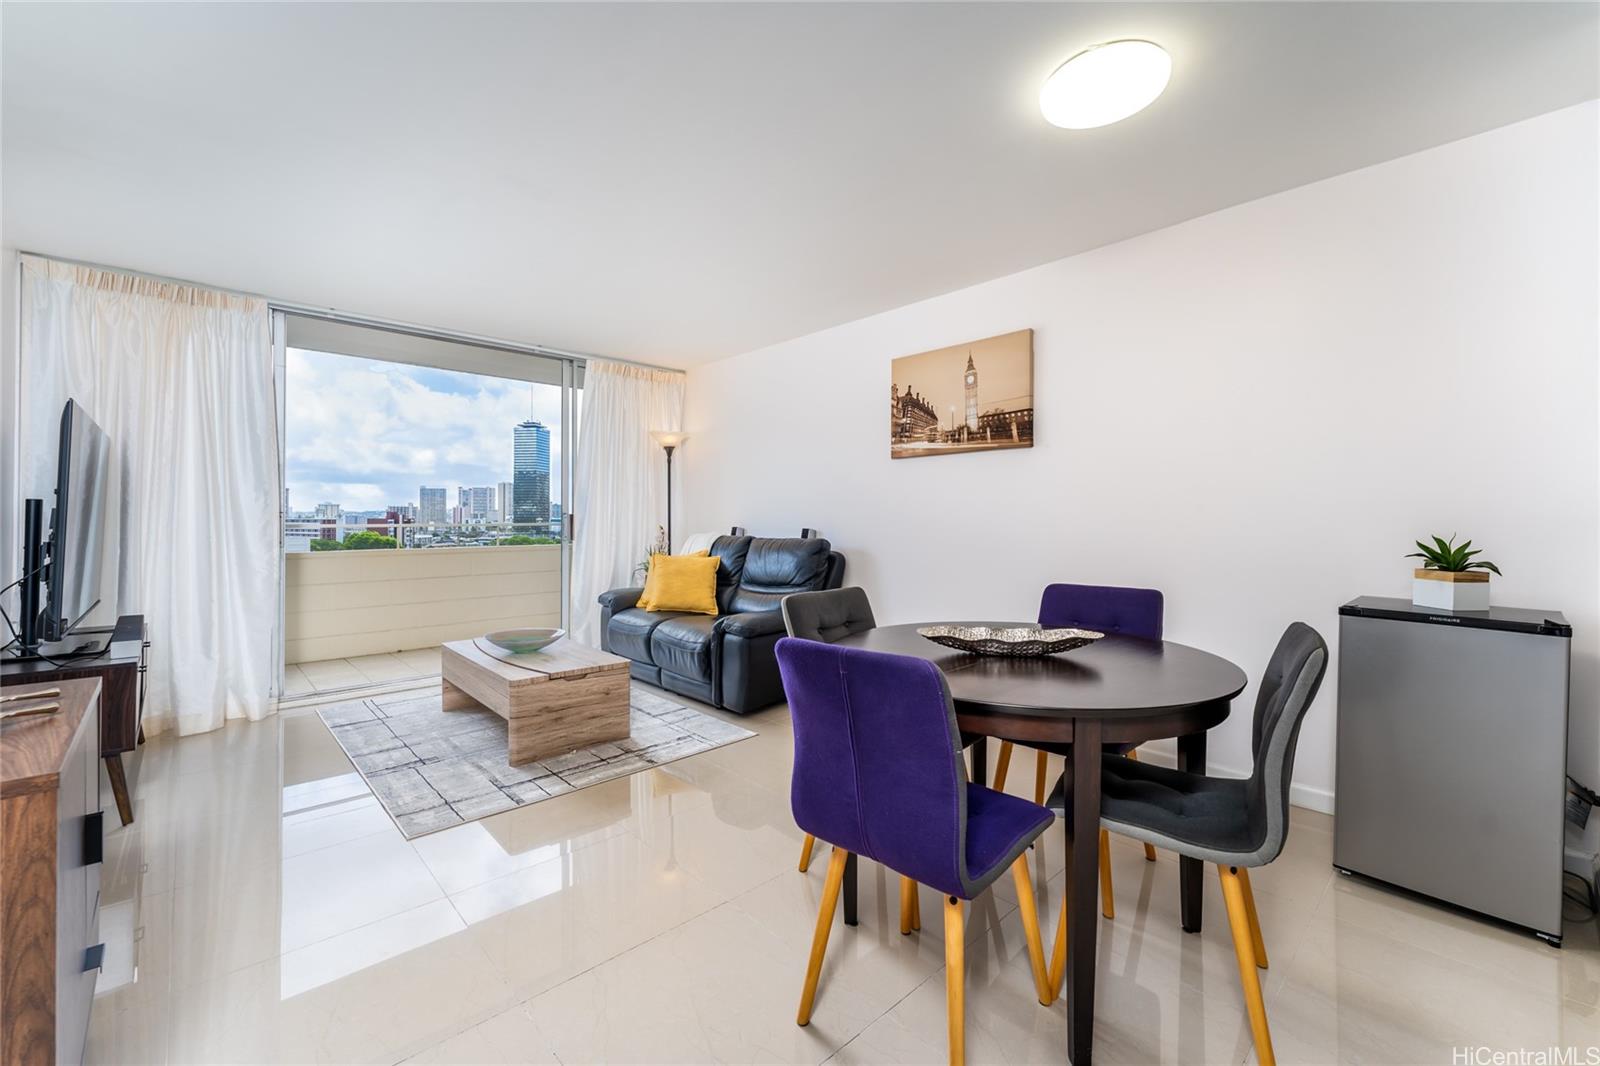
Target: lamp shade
x,y
668,438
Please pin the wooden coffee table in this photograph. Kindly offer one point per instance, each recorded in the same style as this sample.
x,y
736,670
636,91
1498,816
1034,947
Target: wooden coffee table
x,y
565,697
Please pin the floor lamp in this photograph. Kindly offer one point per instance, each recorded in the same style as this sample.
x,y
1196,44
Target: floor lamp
x,y
670,442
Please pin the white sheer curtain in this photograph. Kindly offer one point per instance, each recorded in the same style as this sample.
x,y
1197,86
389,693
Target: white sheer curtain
x,y
619,483
181,380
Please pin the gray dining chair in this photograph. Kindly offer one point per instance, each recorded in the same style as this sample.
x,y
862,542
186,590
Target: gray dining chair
x,y
1236,823
826,616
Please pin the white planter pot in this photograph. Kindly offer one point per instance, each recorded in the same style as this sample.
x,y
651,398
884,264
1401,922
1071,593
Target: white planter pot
x,y
1443,591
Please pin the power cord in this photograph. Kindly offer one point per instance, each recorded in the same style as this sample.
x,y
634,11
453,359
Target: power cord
x,y
1584,895
1580,801
16,638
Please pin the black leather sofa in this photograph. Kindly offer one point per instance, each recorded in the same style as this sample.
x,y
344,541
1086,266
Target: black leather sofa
x,y
727,660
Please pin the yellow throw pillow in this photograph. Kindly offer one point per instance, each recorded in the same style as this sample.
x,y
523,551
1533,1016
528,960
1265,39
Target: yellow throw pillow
x,y
681,583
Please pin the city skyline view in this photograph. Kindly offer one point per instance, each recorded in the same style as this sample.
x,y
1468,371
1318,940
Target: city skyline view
x,y
367,434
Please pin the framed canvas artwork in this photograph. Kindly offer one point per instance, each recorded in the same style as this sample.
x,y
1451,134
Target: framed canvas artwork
x,y
971,397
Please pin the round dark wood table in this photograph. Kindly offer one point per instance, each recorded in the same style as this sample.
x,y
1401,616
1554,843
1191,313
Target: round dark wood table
x,y
1116,690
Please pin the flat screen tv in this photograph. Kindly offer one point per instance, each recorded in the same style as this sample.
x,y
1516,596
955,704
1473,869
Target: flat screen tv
x,y
77,525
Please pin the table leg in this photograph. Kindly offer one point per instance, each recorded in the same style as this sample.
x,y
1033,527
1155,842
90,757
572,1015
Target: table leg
x,y
980,761
119,787
452,698
1083,888
850,890
1191,872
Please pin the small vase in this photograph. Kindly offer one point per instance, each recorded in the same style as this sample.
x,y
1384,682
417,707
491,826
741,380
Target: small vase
x,y
1451,590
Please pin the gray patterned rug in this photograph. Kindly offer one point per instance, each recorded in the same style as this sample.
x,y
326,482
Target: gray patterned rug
x,y
432,769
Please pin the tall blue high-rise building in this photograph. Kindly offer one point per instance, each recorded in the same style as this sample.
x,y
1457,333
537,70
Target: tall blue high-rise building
x,y
530,473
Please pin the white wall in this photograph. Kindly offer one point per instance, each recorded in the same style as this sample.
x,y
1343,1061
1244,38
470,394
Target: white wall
x,y
1256,411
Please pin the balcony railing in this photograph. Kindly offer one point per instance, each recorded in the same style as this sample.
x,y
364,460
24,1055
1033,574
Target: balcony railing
x,y
334,534
345,603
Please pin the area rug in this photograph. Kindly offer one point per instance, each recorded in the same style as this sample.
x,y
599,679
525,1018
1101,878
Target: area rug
x,y
432,769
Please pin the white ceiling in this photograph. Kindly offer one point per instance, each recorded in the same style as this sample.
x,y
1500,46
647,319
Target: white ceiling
x,y
683,183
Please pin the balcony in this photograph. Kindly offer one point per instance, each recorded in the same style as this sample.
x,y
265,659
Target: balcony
x,y
350,605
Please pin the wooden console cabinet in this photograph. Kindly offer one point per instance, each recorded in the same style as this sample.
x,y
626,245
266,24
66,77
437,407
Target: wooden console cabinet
x,y
122,673
50,849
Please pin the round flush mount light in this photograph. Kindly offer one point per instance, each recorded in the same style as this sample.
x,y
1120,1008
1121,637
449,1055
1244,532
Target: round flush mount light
x,y
1105,84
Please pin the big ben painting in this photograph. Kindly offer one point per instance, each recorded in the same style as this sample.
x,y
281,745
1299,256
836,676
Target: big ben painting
x,y
966,398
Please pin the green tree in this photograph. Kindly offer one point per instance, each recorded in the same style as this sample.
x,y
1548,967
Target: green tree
x,y
368,539
523,538
320,545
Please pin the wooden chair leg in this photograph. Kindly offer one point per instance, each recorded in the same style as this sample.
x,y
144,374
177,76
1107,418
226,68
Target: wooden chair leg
x,y
805,852
916,908
1107,906
1058,954
955,978
1039,768
1001,766
819,939
1239,923
908,904
1257,944
1030,928
1149,849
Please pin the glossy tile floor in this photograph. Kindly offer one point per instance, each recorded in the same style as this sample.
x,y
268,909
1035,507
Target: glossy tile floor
x,y
264,909
337,675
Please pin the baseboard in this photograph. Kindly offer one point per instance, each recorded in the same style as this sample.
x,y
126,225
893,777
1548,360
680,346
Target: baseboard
x,y
1312,799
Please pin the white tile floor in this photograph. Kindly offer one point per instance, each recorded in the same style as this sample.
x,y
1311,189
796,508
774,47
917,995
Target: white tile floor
x,y
276,915
338,675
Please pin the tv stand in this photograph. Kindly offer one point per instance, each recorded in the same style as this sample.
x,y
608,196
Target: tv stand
x,y
60,651
121,670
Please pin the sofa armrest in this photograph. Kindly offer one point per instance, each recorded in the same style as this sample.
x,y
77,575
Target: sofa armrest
x,y
751,624
620,599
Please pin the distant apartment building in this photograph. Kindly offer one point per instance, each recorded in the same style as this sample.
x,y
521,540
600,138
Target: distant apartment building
x,y
433,508
530,472
503,502
392,523
476,503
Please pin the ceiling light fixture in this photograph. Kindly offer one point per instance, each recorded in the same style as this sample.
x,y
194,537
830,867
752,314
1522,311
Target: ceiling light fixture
x,y
1105,84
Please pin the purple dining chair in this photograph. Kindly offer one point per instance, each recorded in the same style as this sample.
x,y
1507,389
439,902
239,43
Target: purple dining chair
x,y
878,772
1107,609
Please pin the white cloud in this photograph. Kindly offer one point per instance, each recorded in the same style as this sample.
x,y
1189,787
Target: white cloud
x,y
366,434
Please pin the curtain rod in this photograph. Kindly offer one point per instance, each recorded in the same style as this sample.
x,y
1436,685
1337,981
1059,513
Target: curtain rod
x,y
370,321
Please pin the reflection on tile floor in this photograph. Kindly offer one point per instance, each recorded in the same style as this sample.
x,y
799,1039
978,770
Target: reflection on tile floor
x,y
338,675
263,908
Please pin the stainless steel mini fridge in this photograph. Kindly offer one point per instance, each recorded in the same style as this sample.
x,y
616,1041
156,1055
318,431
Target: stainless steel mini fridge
x,y
1452,755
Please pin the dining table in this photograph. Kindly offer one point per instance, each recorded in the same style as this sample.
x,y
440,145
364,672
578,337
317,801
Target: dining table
x,y
1115,690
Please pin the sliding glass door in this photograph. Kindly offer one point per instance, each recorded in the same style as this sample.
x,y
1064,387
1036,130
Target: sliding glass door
x,y
427,486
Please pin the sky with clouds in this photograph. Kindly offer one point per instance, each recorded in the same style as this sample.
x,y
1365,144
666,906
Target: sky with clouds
x,y
366,434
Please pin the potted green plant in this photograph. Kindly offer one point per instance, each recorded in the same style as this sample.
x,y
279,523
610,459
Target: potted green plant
x,y
1451,577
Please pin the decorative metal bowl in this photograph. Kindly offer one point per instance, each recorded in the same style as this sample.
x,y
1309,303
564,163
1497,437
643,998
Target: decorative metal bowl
x,y
1017,642
523,641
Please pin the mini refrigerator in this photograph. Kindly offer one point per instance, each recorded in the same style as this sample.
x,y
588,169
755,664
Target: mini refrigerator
x,y
1452,755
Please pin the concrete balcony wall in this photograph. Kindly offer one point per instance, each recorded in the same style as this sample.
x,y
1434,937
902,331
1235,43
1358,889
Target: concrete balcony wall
x,y
349,603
